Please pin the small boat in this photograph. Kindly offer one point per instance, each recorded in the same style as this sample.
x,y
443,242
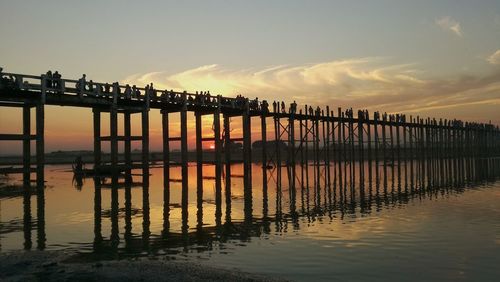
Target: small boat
x,y
79,169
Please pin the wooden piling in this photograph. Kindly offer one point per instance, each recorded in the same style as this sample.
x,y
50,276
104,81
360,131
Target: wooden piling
x,y
227,155
145,145
97,138
218,161
199,159
127,145
26,146
113,125
184,155
40,145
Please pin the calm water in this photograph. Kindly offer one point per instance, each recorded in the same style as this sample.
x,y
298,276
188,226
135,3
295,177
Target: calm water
x,y
407,227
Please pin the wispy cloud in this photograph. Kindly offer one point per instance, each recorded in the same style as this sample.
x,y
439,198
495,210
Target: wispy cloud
x,y
372,83
449,24
494,59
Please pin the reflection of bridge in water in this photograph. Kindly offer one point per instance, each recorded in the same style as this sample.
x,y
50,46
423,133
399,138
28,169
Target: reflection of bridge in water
x,y
293,201
330,153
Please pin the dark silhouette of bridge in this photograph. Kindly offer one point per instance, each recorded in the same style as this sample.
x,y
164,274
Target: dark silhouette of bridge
x,y
325,138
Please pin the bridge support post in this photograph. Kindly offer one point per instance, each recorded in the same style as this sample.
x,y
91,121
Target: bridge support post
x,y
40,145
361,149
199,156
218,163
113,125
184,155
26,147
277,143
369,146
227,154
166,171
341,148
376,145
291,149
166,146
127,146
247,155
327,146
97,138
145,145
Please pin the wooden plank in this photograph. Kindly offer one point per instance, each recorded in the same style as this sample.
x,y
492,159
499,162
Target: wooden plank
x,y
17,137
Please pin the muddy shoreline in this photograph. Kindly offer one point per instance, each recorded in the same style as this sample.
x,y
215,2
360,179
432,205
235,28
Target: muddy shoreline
x,y
71,266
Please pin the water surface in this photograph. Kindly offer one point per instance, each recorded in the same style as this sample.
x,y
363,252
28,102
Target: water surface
x,y
404,224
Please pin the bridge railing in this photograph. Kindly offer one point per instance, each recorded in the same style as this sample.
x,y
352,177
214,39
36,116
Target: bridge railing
x,y
117,92
84,88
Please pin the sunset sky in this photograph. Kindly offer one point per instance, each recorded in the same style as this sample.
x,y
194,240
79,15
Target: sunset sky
x,y
428,58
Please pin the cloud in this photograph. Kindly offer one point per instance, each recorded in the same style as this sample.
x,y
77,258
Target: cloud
x,y
449,24
363,83
494,59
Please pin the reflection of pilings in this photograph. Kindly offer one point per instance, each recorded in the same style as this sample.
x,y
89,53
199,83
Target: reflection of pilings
x,y
127,236
115,237
145,213
97,214
27,225
40,214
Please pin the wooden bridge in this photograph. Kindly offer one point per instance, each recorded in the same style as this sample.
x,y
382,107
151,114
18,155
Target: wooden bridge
x,y
326,138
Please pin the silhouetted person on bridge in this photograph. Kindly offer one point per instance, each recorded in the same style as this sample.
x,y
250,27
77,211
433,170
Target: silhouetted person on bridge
x,y
48,79
91,86
127,92
57,80
293,107
80,85
265,107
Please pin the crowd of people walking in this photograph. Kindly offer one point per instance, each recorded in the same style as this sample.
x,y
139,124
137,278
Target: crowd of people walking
x,y
55,84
